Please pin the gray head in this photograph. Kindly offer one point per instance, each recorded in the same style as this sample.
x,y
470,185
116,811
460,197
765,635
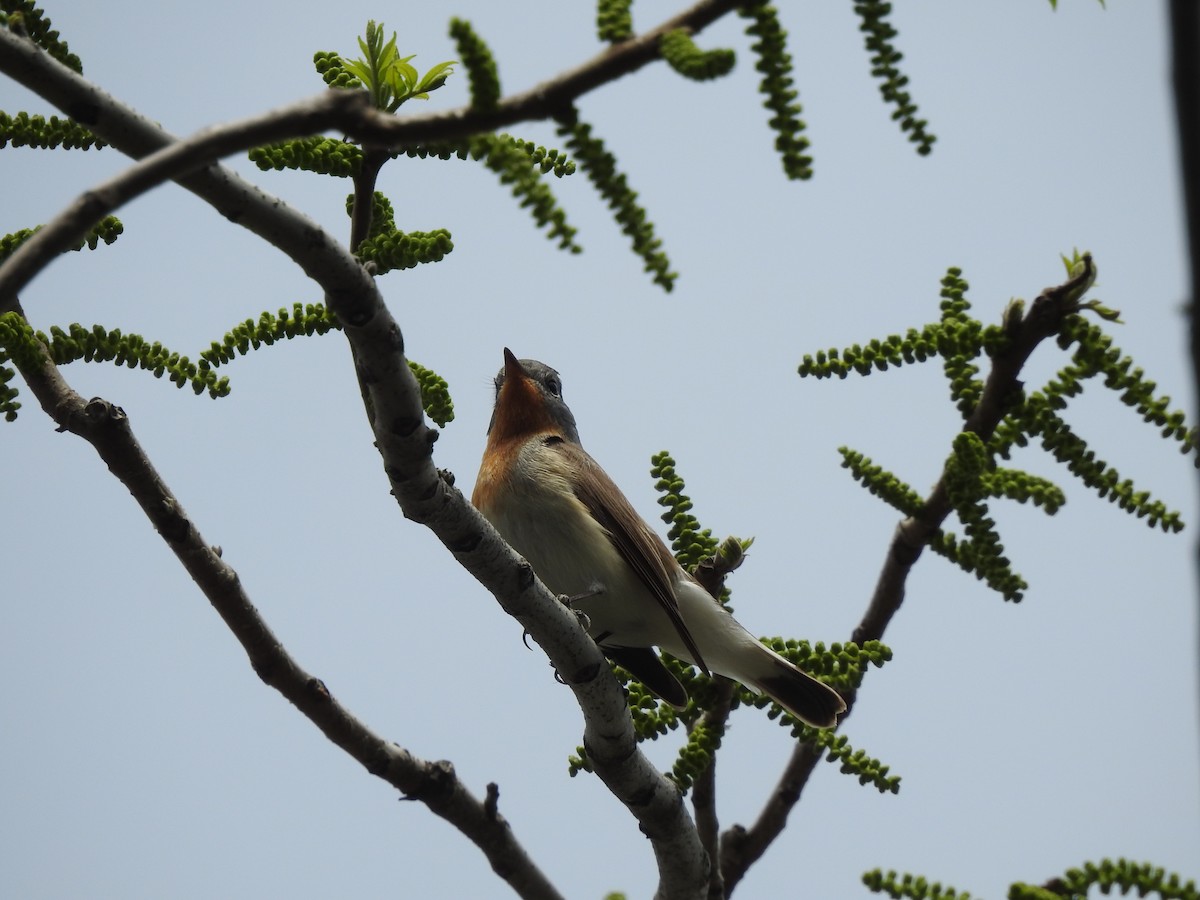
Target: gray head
x,y
549,388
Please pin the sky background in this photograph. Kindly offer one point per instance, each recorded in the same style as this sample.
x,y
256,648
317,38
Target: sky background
x,y
141,757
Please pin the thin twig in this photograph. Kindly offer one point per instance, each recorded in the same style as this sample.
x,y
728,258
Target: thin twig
x,y
361,216
704,789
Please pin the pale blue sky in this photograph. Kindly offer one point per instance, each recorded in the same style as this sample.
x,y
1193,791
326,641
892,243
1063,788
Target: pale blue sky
x,y
141,757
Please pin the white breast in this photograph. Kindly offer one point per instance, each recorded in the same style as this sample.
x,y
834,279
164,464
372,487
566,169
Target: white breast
x,y
571,552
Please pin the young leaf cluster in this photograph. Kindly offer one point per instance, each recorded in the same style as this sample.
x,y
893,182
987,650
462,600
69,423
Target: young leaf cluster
x,y
601,168
697,753
1038,417
690,543
854,762
518,163
24,130
614,21
300,321
775,66
1144,879
332,69
481,146
435,394
24,346
880,482
16,337
884,57
106,230
840,665
404,250
957,338
909,887
967,478
685,57
24,15
973,474
322,155
388,249
305,320
389,78
9,404
483,76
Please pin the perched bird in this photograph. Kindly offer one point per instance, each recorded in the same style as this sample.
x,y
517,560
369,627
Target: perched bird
x,y
555,505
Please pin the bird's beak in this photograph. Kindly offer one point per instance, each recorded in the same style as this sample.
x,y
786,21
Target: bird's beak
x,y
520,408
513,370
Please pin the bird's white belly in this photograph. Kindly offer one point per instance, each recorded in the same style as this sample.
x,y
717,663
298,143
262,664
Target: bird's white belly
x,y
573,556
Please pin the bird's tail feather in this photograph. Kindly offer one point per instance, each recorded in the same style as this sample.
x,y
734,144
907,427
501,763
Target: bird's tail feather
x,y
803,696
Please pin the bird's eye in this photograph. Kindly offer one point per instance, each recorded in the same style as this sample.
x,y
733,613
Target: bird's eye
x,y
554,386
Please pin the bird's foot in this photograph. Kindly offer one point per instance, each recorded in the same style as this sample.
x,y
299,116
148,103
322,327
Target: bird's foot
x,y
595,589
585,621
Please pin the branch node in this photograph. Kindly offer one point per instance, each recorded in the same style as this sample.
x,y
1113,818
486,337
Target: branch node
x,y
99,410
466,544
439,780
492,801
582,676
405,425
317,688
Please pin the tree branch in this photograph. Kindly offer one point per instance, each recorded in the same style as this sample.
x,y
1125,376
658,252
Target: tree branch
x,y
740,847
704,789
174,162
1185,71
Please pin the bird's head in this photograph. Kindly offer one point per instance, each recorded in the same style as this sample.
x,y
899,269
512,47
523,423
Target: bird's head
x,y
529,401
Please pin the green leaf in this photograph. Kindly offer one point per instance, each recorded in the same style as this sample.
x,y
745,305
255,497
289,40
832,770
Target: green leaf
x,y
358,69
436,76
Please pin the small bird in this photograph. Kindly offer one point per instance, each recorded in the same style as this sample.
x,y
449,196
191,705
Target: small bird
x,y
555,505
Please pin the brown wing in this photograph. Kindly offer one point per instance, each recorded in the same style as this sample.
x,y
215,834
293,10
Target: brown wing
x,y
647,667
644,550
